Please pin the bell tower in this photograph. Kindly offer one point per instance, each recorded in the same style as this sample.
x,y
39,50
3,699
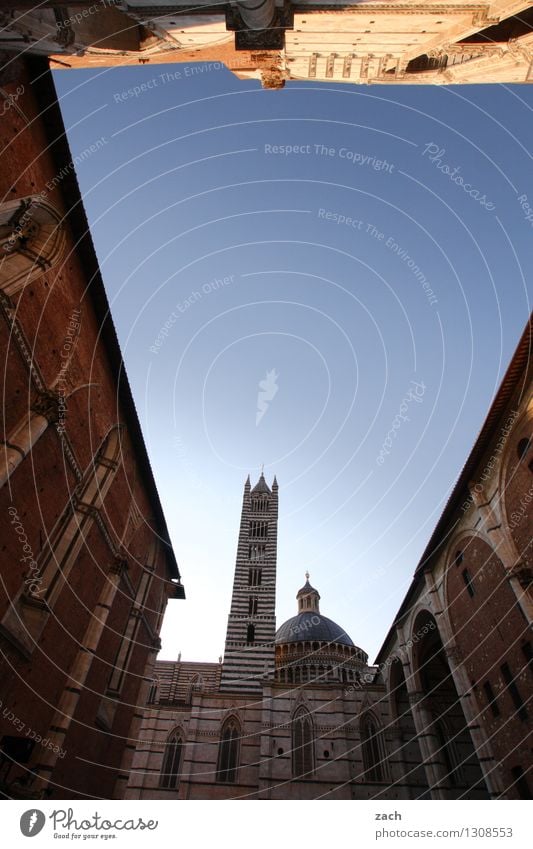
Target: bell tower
x,y
249,650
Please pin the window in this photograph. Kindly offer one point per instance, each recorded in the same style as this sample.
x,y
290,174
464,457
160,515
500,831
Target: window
x,y
252,605
491,698
514,692
528,654
303,744
468,582
256,552
152,695
520,782
258,530
254,577
260,505
250,634
228,753
172,761
373,749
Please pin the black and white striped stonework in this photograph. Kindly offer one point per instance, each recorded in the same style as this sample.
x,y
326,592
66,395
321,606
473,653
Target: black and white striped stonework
x,y
249,650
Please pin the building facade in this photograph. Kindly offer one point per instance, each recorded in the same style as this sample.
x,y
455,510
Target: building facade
x,y
363,41
446,712
87,563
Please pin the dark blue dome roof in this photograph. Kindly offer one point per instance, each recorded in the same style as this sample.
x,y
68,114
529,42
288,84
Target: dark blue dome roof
x,y
311,626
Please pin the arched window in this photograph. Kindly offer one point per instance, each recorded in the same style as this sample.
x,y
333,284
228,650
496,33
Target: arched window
x,y
374,759
170,773
303,744
32,240
228,753
250,634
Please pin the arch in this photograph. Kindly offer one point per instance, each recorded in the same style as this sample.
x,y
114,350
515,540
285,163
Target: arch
x,y
440,711
32,241
229,750
172,760
303,744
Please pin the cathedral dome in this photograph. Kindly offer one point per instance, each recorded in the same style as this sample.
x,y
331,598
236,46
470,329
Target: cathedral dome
x,y
312,626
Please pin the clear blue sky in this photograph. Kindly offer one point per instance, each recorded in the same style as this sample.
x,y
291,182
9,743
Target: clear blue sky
x,y
225,260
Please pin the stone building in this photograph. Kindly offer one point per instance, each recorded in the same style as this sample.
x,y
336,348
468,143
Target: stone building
x,y
87,563
469,683
298,713
363,41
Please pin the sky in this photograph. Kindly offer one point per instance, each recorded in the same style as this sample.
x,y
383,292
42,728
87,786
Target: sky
x,y
328,280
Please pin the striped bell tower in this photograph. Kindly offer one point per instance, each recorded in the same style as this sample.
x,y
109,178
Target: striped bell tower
x,y
249,650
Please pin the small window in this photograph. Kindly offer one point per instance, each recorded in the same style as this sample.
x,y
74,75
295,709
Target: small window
x,y
520,782
491,698
514,692
250,634
252,605
528,654
468,582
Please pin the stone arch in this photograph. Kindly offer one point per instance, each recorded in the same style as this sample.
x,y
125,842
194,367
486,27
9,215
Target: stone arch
x,y
452,765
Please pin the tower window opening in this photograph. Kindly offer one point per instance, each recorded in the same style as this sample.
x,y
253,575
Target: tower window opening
x,y
257,552
254,577
258,530
260,505
252,605
250,634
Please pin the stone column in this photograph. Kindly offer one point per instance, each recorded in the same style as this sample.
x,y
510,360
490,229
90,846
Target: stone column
x,y
73,688
429,745
136,723
23,438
